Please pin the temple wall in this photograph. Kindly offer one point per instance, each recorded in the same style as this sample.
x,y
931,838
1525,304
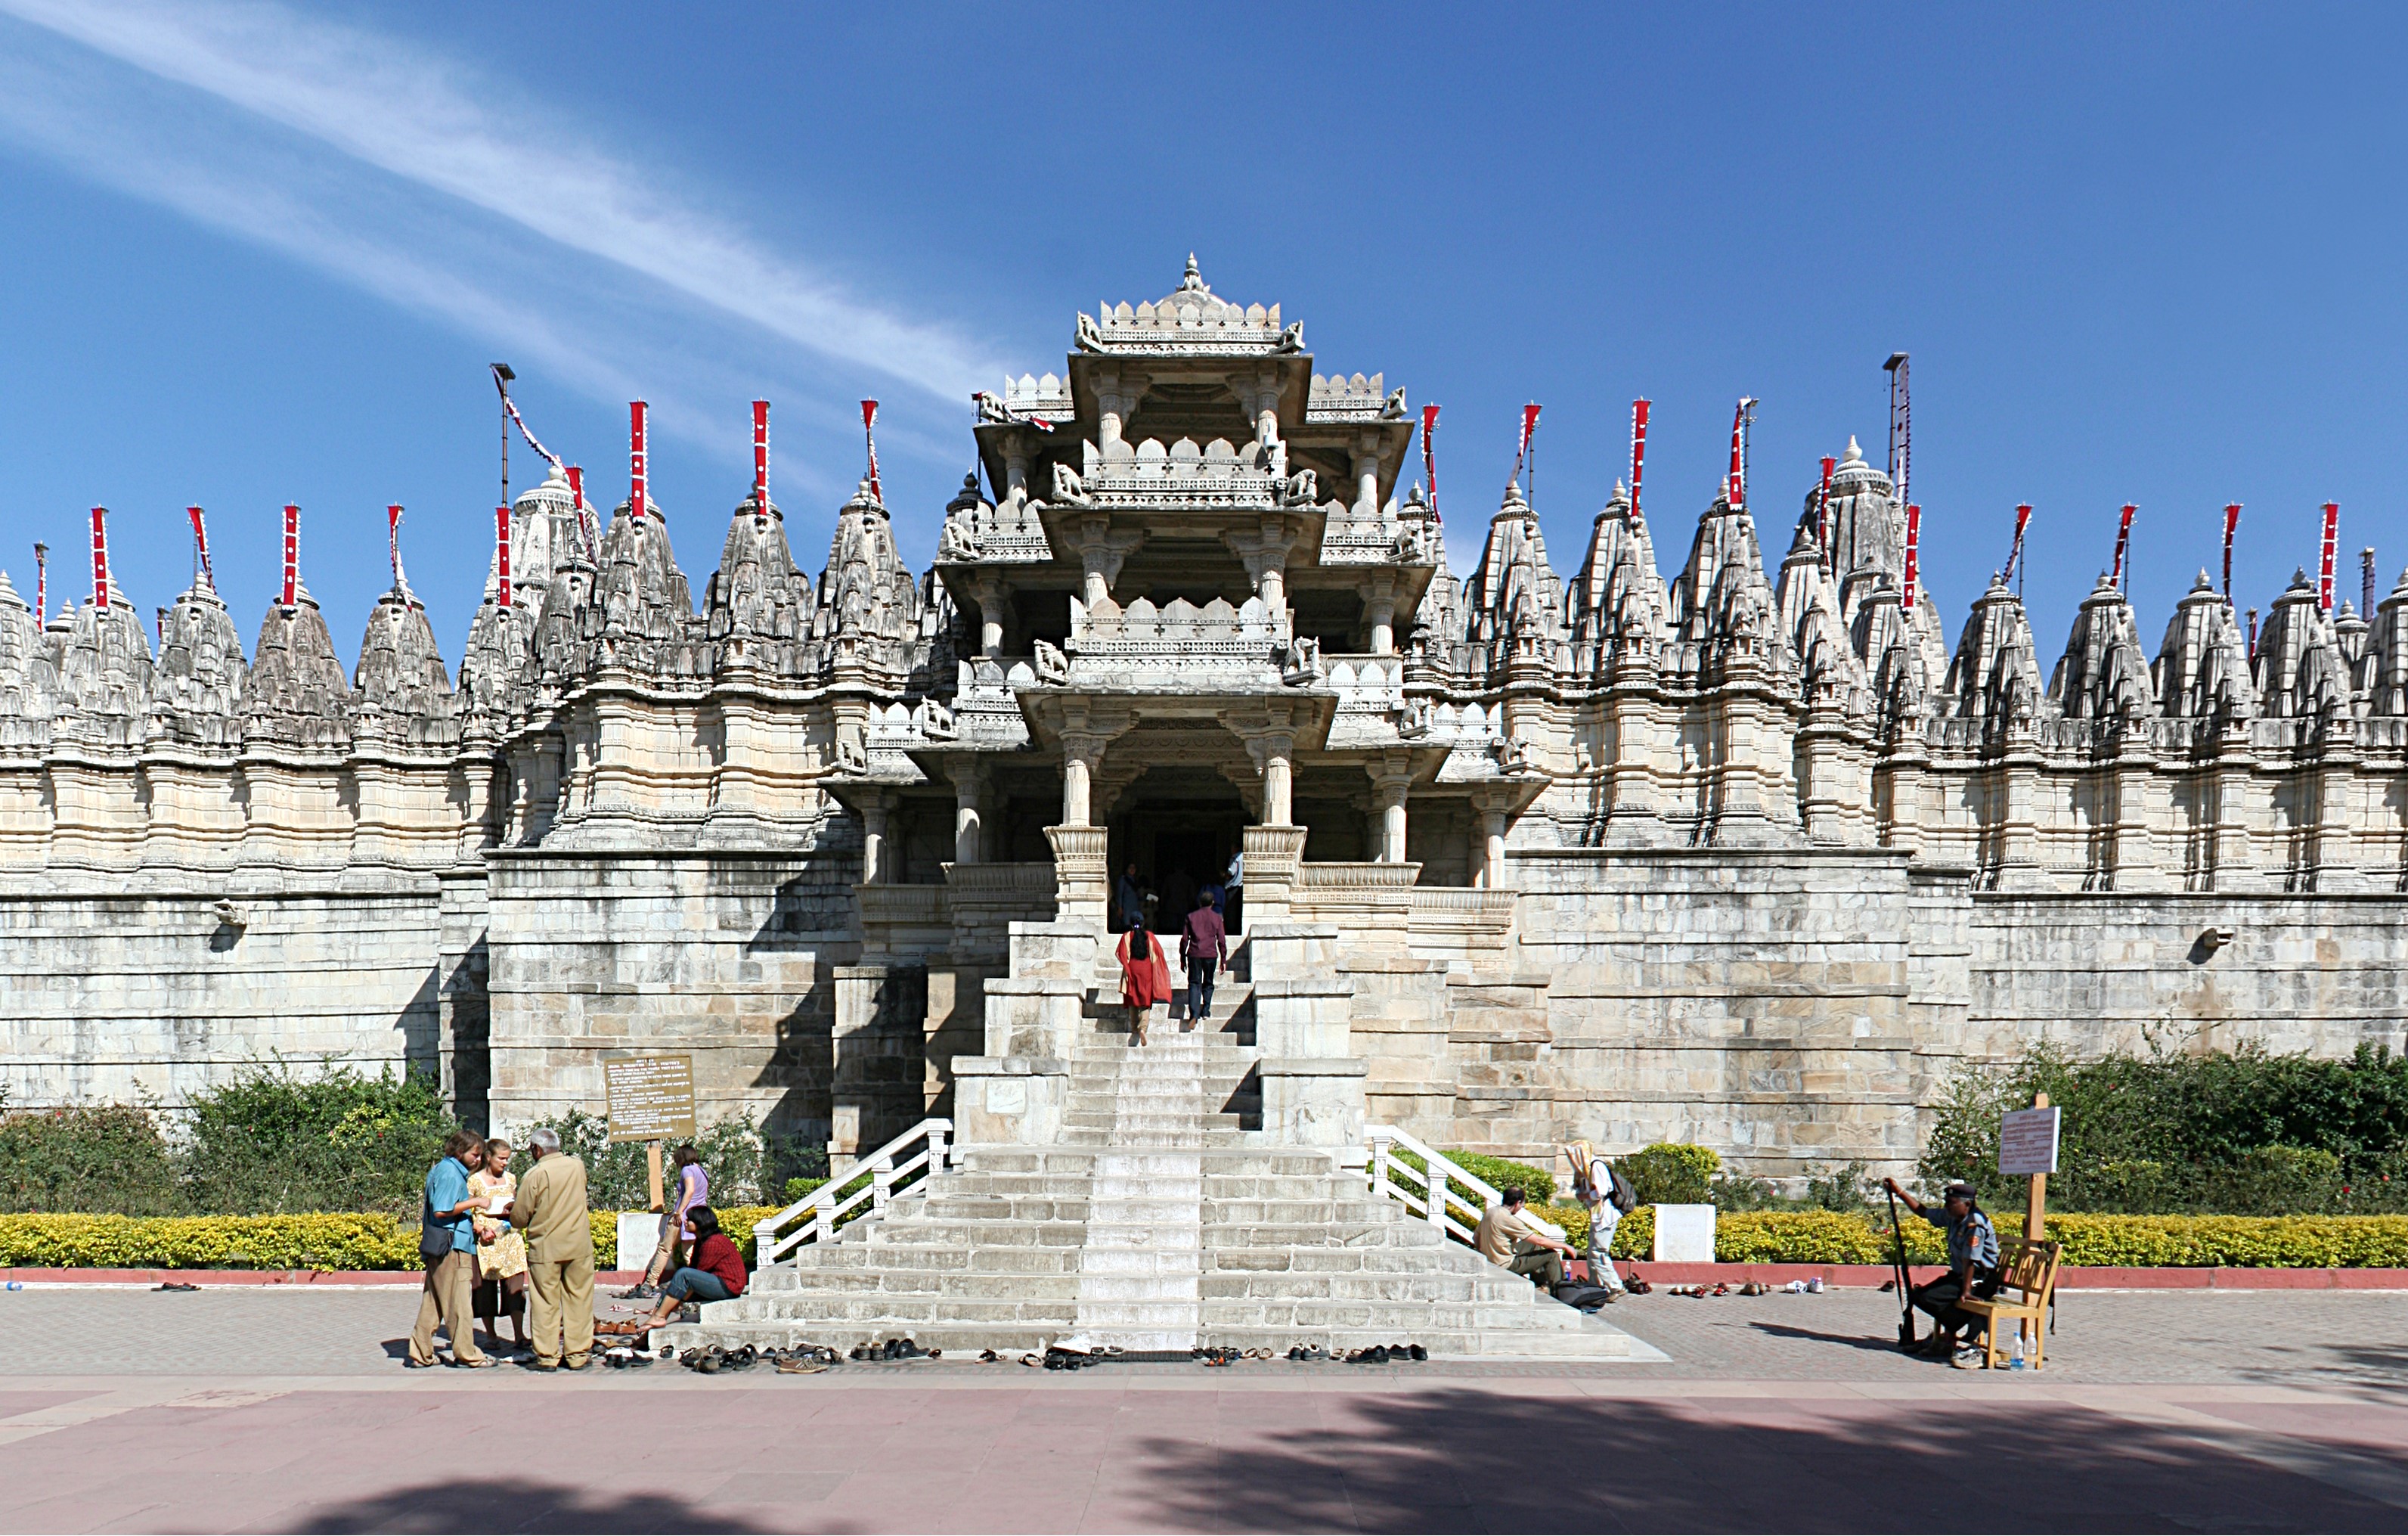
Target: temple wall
x,y
729,956
108,999
2108,971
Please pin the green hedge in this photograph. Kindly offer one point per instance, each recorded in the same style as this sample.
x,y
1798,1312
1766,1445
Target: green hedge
x,y
338,1242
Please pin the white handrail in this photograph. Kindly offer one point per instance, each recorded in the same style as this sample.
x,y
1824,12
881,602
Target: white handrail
x,y
1438,1173
884,1170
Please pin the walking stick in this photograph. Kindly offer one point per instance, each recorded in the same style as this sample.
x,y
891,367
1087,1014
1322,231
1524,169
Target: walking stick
x,y
1898,1265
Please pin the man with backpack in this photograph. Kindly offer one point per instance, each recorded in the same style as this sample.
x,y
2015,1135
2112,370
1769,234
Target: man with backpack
x,y
1609,1198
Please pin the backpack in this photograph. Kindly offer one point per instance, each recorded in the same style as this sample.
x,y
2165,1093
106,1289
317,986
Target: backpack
x,y
1588,1298
1623,1198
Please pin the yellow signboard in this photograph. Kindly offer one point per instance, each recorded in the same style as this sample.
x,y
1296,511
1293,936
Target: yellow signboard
x,y
651,1098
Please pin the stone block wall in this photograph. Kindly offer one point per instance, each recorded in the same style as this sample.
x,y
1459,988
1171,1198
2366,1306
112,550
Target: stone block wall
x,y
113,998
728,957
2109,971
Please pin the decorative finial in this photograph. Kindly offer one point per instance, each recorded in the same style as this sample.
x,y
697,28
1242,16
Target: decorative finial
x,y
1194,279
1854,455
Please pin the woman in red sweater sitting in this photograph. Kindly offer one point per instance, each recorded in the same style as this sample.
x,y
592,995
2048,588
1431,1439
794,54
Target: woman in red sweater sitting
x,y
715,1273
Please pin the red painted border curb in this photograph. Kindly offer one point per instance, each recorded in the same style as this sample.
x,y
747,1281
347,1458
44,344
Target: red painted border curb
x,y
252,1277
2070,1278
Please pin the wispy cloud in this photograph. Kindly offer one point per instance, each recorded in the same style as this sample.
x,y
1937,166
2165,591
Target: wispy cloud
x,y
415,116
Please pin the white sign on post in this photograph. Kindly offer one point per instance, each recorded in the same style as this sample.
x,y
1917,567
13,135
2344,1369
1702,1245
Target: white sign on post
x,y
2028,1141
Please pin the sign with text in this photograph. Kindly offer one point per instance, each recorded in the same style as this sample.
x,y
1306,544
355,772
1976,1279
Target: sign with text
x,y
2028,1141
651,1098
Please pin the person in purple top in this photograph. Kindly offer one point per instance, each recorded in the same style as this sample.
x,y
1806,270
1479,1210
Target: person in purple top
x,y
1204,945
677,1231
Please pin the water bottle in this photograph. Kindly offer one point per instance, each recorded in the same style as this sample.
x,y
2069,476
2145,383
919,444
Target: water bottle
x,y
2016,1363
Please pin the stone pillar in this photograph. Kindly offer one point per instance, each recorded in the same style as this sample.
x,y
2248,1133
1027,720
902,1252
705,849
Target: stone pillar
x,y
1115,402
989,592
874,807
970,832
1264,552
1015,469
1080,752
1278,780
1382,607
1391,778
1367,476
1488,843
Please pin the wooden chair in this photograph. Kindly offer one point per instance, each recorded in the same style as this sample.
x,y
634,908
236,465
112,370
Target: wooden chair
x,y
2031,1275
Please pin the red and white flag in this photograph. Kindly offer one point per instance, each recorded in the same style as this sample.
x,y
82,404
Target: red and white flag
x,y
201,548
1522,457
1914,540
761,457
2325,562
502,556
869,434
2231,522
636,454
2015,550
291,553
1823,511
1639,409
99,559
1430,458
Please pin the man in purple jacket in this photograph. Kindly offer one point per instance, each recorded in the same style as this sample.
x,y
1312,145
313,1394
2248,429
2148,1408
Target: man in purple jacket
x,y
1204,945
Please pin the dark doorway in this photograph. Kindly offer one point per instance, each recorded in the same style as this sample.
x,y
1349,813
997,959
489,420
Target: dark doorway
x,y
1179,827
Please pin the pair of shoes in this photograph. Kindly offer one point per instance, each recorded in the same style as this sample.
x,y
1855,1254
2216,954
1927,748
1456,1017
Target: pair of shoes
x,y
479,1363
1968,1359
540,1365
800,1368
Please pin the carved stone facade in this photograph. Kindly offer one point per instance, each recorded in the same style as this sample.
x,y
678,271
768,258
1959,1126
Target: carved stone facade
x,y
1747,856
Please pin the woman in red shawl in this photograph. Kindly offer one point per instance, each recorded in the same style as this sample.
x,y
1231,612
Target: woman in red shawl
x,y
1146,975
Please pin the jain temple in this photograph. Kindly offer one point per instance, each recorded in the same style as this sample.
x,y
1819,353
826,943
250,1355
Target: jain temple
x,y
1705,832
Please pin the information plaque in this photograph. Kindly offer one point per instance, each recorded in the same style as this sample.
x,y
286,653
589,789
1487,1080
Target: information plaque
x,y
2028,1141
651,1098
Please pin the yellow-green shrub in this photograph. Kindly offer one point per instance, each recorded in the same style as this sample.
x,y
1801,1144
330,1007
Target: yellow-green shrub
x,y
209,1242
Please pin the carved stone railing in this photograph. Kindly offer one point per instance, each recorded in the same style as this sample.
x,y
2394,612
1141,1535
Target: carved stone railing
x,y
858,1193
910,906
1356,876
1338,398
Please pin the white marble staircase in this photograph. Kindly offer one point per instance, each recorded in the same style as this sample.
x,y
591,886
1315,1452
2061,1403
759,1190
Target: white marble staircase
x,y
1158,1223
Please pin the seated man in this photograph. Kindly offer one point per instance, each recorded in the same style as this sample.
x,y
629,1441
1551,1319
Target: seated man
x,y
716,1274
1973,1268
1507,1239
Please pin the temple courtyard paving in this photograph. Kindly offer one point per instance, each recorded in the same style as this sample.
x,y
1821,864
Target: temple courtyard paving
x,y
271,1409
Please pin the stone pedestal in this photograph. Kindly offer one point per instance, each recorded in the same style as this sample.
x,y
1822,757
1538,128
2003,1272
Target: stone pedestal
x,y
1312,1080
1082,882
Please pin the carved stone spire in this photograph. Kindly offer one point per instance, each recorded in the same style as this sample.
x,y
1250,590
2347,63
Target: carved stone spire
x,y
401,690
1868,529
1723,609
868,604
29,680
2104,674
756,601
2302,674
2386,655
202,680
104,674
1995,676
647,607
2202,669
1830,673
298,697
1618,597
1514,599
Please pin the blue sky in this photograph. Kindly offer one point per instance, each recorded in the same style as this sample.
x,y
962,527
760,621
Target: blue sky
x,y
255,255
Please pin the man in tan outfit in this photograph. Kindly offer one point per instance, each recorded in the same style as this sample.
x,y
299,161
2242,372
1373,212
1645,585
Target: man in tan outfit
x,y
551,1211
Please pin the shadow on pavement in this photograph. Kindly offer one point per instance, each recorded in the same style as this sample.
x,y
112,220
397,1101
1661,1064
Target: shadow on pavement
x,y
452,1506
1460,1461
1854,1341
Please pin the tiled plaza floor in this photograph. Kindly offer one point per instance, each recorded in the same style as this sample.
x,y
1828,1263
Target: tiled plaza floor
x,y
289,1411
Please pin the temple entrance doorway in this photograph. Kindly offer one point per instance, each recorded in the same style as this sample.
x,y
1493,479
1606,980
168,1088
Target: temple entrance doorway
x,y
1181,827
